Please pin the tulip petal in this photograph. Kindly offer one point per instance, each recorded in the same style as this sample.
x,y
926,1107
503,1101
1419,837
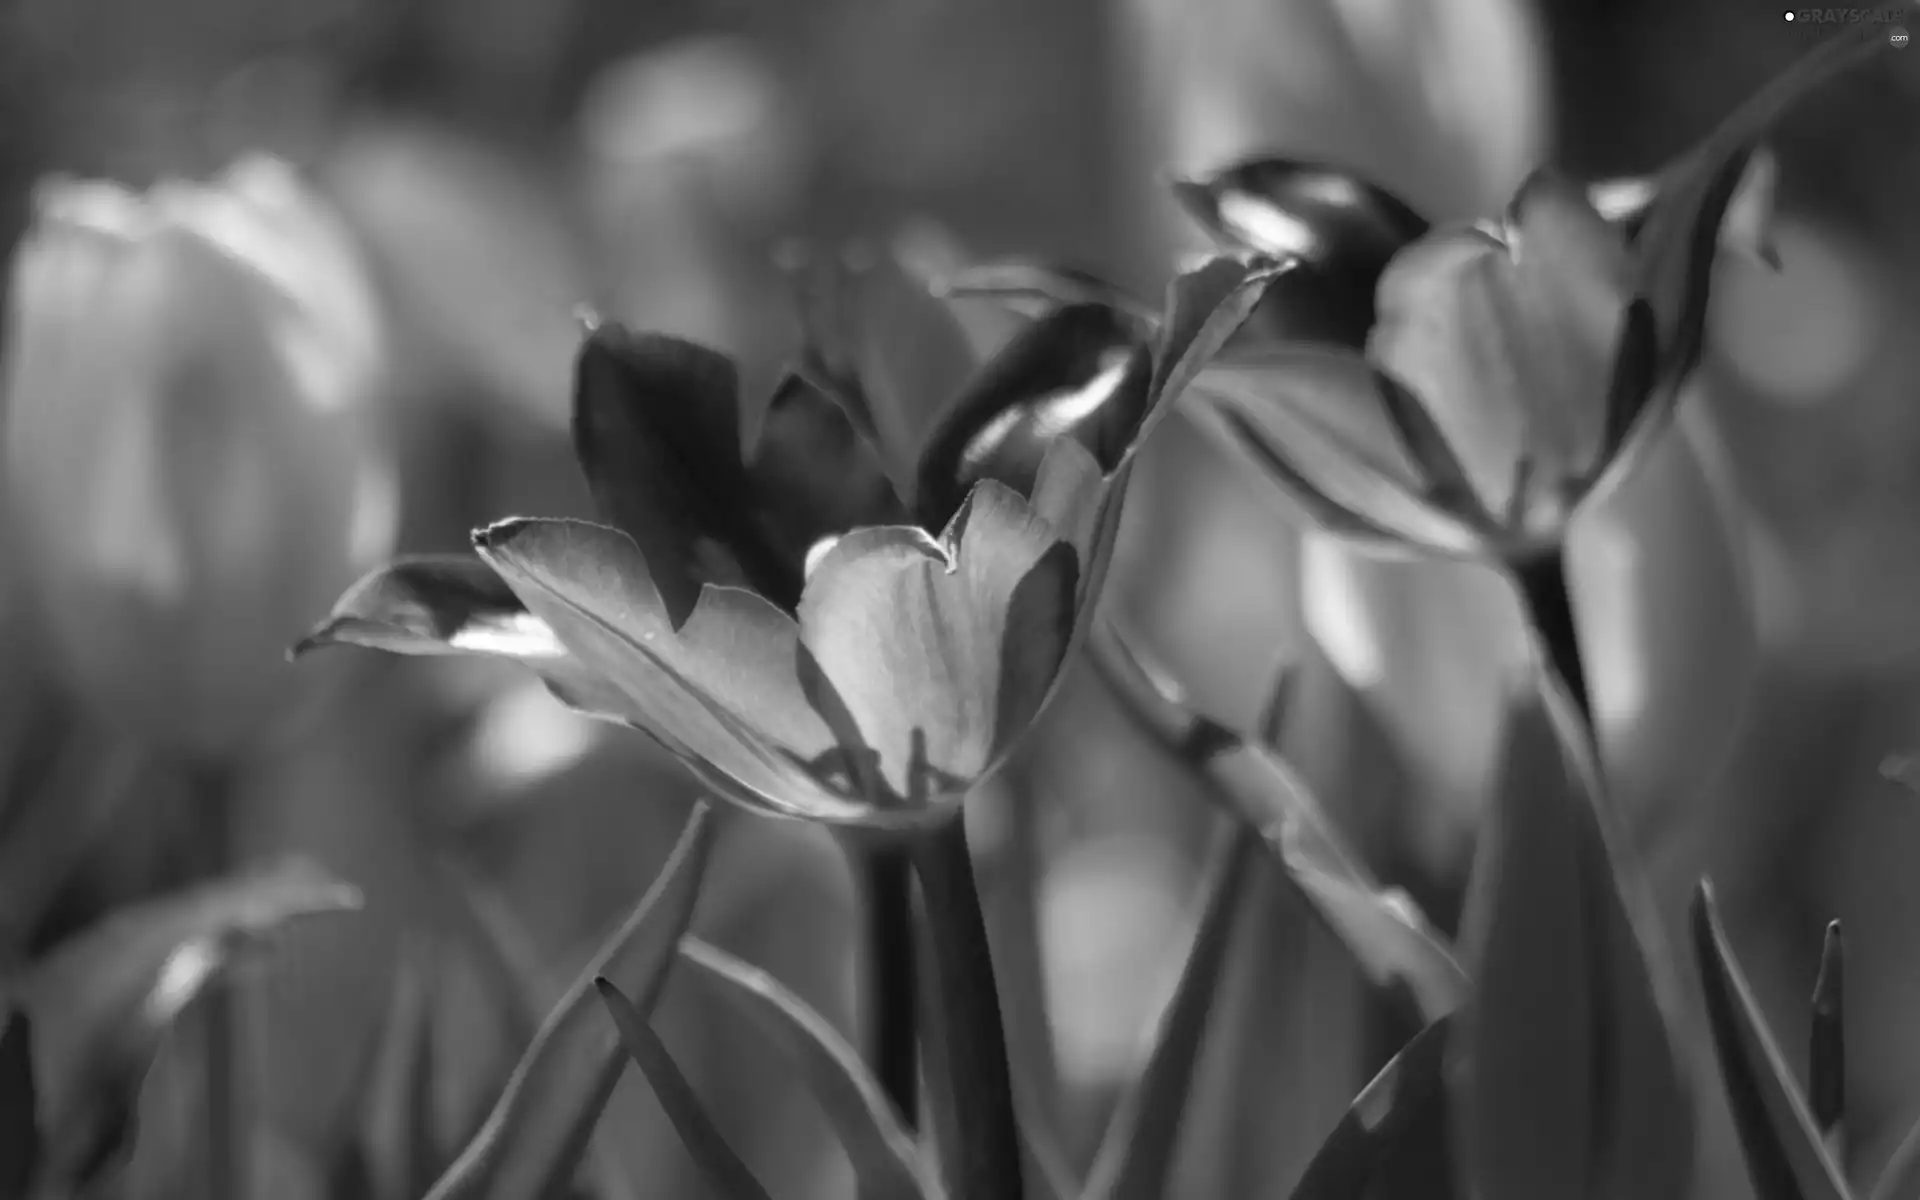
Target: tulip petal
x,y
1082,371
447,604
1341,229
1204,308
944,651
1318,425
723,690
656,428
1070,494
1292,209
1510,344
815,474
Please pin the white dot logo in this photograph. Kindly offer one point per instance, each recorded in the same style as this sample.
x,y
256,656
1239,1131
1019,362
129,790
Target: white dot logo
x,y
1789,15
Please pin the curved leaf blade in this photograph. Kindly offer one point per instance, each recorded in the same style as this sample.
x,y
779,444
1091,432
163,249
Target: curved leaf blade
x,y
102,1002
402,1152
1679,233
1136,1155
538,1131
882,1151
1565,1065
723,1168
1382,928
1900,1178
1786,1159
1408,1092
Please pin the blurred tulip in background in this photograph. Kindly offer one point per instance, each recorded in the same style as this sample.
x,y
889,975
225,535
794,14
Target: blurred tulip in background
x,y
195,456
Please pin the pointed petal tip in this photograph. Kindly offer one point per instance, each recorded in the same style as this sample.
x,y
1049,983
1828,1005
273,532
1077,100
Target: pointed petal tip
x,y
587,319
325,633
495,534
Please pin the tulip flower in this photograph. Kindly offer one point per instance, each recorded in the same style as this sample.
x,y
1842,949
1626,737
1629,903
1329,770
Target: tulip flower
x,y
193,453
873,686
1462,390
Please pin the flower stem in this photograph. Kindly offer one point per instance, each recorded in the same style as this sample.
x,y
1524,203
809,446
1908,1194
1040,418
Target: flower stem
x,y
890,1004
985,1164
1542,580
213,790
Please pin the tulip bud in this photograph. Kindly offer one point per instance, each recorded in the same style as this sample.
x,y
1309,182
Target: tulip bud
x,y
193,463
1082,372
1341,228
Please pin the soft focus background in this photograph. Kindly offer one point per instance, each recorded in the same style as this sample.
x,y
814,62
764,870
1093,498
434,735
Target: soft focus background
x,y
1751,602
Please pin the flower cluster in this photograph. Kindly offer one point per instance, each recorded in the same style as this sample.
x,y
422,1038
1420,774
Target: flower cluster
x,y
814,630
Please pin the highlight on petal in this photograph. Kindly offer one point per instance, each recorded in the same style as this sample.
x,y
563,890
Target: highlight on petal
x,y
943,654
722,690
1340,228
1747,227
1510,344
1080,372
448,604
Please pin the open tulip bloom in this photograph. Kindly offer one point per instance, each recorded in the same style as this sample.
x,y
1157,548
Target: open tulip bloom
x,y
856,647
1461,390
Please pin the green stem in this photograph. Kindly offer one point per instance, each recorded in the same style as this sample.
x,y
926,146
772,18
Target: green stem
x,y
1548,603
890,1010
213,790
985,1162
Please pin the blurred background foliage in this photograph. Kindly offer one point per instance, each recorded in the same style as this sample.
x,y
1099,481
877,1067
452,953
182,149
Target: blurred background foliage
x,y
1751,602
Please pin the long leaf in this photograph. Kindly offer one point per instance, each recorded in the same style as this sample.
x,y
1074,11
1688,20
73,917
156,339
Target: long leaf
x,y
1407,1093
1382,928
1786,1159
881,1150
723,1168
539,1129
1900,1178
1137,1154
402,1151
1566,1065
102,1002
